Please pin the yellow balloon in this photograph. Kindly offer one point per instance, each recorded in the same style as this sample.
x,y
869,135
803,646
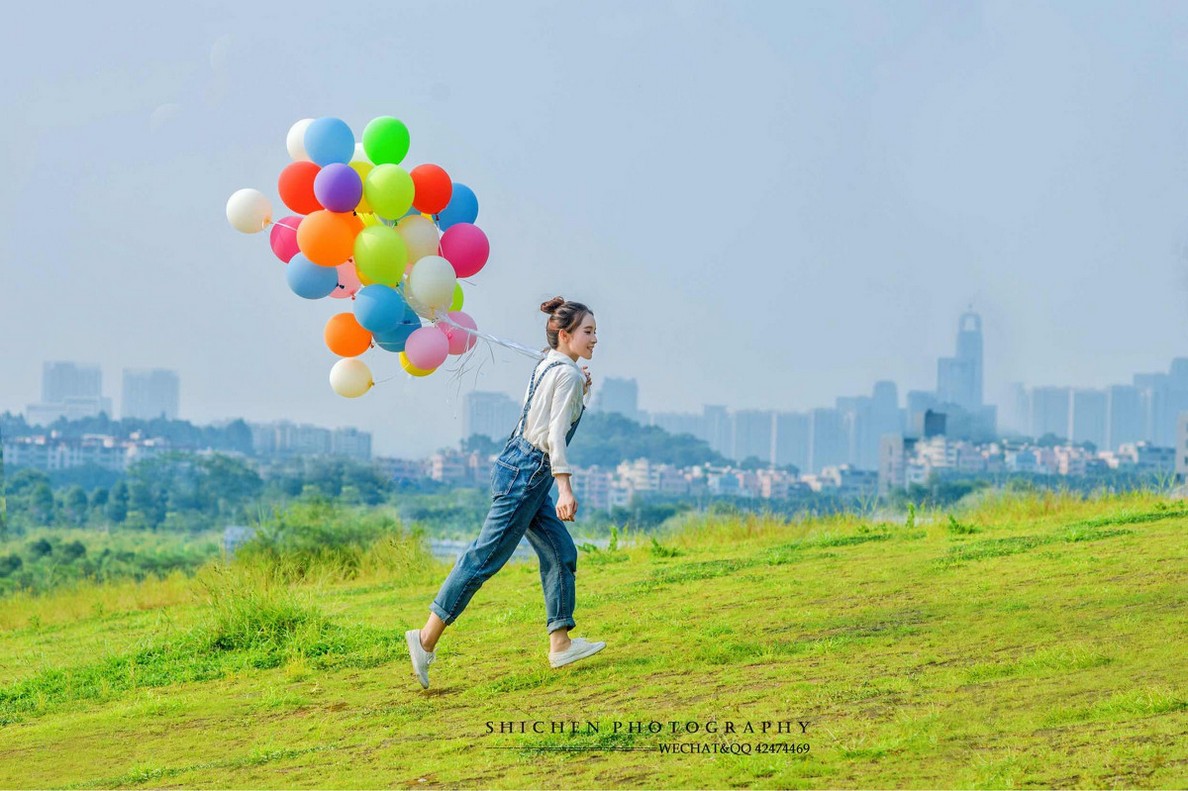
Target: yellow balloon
x,y
412,369
368,219
362,168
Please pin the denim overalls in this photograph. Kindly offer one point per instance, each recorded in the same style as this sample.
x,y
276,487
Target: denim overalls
x,y
521,501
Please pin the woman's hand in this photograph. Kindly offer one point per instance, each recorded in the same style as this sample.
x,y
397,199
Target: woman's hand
x,y
566,506
586,386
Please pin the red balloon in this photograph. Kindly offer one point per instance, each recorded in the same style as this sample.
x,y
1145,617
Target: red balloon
x,y
296,187
433,188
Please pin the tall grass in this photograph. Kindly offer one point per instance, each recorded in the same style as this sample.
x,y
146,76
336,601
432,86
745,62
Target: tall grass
x,y
312,544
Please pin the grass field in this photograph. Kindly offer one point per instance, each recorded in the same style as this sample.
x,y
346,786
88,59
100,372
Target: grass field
x,y
1031,640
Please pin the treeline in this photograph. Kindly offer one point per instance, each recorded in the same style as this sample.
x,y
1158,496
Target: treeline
x,y
235,436
47,559
186,492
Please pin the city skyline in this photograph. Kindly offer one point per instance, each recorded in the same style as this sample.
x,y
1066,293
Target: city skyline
x,y
848,432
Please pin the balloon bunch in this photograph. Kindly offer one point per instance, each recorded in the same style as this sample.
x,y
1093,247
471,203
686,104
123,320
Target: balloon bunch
x,y
395,241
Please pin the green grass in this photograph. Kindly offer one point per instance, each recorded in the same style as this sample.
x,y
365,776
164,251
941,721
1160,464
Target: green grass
x,y
1026,641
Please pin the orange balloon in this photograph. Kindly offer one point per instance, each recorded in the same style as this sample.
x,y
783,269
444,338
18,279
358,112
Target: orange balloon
x,y
295,186
345,337
433,187
328,237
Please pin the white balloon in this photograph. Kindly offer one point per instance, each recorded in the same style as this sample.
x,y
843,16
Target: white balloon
x,y
420,237
432,282
350,377
249,211
295,140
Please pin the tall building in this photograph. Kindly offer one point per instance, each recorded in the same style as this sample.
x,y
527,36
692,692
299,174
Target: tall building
x,y
719,429
858,428
149,394
792,439
1124,422
1088,417
1049,411
60,381
1166,396
618,395
492,415
828,443
754,435
886,417
959,378
69,390
1017,409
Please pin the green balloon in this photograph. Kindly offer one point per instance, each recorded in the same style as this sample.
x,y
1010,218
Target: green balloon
x,y
380,256
389,191
457,303
385,140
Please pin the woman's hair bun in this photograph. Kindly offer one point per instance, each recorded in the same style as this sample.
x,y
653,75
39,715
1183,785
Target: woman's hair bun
x,y
552,305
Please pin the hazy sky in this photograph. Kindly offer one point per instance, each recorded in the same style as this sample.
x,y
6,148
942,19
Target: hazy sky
x,y
766,204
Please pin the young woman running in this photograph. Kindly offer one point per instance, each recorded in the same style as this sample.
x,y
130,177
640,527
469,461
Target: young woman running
x,y
521,500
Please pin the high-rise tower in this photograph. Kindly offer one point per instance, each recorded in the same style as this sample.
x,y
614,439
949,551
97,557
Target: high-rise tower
x,y
959,378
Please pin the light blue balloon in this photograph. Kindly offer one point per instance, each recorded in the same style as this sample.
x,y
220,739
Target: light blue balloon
x,y
463,207
309,280
393,340
329,140
409,323
378,308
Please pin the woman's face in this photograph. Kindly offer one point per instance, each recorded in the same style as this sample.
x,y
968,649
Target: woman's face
x,y
582,341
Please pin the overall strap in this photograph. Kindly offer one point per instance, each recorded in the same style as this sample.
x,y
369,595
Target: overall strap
x,y
531,391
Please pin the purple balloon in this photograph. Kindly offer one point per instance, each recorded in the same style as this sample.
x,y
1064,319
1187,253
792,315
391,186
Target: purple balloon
x,y
338,187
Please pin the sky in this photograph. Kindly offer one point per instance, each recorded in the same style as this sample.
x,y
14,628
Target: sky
x,y
767,205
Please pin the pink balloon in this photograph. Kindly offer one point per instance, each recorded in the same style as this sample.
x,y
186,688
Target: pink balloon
x,y
427,348
348,280
283,238
466,247
460,340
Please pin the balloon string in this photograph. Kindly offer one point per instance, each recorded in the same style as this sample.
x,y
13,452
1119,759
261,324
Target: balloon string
x,y
517,347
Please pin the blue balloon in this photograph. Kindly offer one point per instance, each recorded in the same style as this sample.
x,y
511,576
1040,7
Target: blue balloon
x,y
329,140
378,308
393,340
463,207
309,280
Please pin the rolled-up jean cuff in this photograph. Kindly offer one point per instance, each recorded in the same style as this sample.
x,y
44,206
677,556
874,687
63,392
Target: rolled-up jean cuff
x,y
437,610
563,623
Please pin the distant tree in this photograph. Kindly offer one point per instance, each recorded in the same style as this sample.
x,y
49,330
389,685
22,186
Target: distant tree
x,y
145,501
117,503
75,505
73,550
481,443
41,504
1049,440
40,548
753,463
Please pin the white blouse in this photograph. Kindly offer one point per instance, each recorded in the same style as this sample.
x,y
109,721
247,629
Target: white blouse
x,y
556,403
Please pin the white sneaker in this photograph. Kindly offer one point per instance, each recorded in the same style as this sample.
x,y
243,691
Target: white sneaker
x,y
421,659
579,648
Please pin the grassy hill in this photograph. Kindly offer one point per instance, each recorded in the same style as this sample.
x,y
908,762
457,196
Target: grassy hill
x,y
1029,640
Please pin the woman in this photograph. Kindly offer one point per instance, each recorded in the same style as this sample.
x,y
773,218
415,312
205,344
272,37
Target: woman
x,y
521,501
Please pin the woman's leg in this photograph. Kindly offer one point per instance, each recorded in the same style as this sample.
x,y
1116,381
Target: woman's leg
x,y
516,489
431,631
558,565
